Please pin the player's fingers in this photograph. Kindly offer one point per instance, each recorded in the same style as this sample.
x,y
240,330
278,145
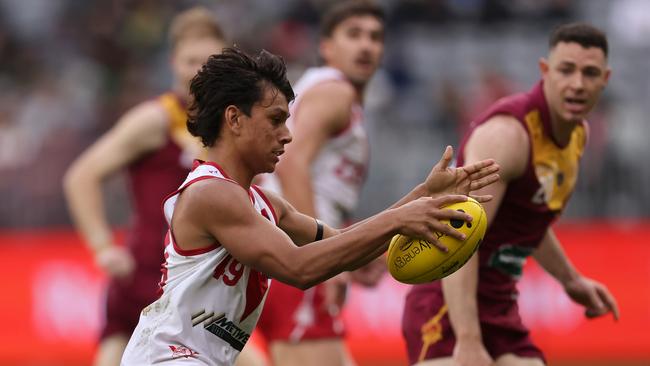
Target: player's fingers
x,y
595,307
482,198
456,215
475,167
609,301
449,199
491,169
445,160
433,240
448,230
480,183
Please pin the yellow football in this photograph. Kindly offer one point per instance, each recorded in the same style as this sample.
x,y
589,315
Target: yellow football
x,y
416,261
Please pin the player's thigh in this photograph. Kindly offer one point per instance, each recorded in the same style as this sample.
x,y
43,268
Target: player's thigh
x,y
510,359
442,361
321,352
110,350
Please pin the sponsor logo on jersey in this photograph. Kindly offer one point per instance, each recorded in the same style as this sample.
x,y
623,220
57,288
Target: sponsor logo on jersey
x,y
222,327
182,352
510,259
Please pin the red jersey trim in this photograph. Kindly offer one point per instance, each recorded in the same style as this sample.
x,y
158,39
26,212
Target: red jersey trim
x,y
191,252
268,203
219,168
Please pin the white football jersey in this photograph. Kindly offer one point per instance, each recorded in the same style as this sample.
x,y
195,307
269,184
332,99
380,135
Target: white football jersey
x,y
339,170
210,302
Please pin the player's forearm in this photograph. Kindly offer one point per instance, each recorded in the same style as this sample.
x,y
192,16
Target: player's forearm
x,y
324,259
417,192
552,258
460,292
84,197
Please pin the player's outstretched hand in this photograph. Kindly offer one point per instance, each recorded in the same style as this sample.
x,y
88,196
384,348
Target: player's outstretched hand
x,y
593,295
421,218
444,179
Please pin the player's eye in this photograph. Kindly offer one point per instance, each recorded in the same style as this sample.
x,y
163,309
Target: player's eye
x,y
354,32
591,72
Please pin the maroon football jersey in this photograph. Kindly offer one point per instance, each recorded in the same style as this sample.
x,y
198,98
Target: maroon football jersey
x,y
529,206
151,179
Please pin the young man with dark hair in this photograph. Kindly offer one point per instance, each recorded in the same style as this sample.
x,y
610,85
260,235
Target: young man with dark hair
x,y
151,143
321,175
471,318
227,237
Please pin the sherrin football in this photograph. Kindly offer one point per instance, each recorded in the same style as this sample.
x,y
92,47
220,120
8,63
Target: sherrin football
x,y
416,261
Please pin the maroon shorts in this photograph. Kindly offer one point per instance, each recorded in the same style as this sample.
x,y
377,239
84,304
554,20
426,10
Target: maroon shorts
x,y
428,333
125,298
294,315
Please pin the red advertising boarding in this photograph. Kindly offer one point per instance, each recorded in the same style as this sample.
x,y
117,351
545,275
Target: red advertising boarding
x,y
51,308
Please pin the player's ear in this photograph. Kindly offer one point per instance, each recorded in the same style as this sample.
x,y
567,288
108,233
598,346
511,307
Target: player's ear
x,y
325,48
232,119
608,72
543,66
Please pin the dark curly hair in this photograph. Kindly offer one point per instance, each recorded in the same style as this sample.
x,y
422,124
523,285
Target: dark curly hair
x,y
232,78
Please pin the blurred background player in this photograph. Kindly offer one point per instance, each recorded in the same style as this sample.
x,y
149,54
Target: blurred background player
x,y
152,144
471,318
321,175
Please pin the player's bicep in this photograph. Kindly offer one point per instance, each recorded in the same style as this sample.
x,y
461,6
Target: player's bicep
x,y
248,236
511,154
301,228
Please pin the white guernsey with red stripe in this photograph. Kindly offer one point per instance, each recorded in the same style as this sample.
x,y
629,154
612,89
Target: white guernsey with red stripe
x,y
339,170
209,301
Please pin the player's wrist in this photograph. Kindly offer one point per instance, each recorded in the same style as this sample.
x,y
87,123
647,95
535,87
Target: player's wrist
x,y
469,337
99,249
421,190
569,280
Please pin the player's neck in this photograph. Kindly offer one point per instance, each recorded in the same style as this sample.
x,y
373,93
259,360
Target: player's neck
x,y
182,93
231,164
561,130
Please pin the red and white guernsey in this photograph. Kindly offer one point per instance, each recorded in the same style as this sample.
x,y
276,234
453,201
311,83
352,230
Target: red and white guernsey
x,y
339,170
210,302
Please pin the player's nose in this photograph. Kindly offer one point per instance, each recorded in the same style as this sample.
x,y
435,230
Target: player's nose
x,y
285,135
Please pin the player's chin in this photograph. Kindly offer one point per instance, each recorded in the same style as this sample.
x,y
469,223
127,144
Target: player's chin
x,y
270,167
574,117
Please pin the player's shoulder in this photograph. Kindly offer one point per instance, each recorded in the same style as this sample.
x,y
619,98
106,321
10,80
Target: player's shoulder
x,y
503,138
332,91
215,198
502,127
147,114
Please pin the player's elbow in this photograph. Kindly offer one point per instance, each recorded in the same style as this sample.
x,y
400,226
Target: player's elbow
x,y
304,277
70,180
302,280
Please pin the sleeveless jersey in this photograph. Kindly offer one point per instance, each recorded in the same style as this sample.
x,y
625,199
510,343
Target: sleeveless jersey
x,y
210,302
339,170
151,178
532,201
